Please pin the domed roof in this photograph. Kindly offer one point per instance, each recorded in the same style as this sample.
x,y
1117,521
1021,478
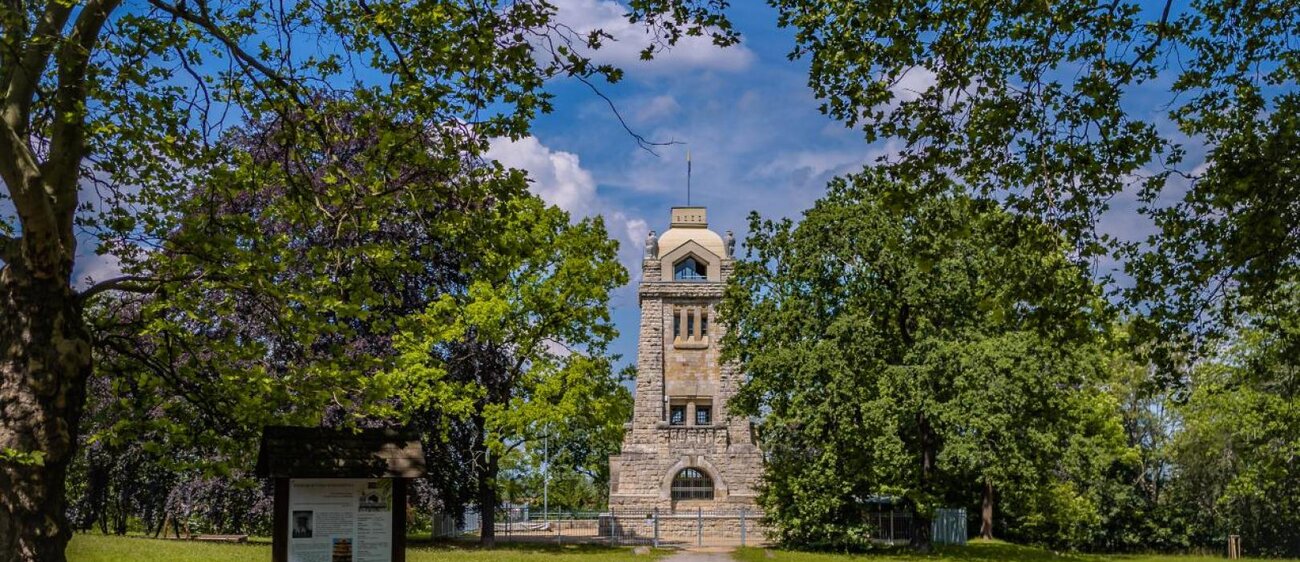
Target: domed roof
x,y
690,224
675,237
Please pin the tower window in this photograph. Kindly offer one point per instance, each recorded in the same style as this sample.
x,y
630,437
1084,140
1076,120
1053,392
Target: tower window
x,y
691,484
703,415
704,323
691,269
677,325
677,414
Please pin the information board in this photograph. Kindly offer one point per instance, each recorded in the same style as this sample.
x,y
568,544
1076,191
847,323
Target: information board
x,y
340,520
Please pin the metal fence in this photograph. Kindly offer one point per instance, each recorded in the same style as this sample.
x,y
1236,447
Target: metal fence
x,y
895,527
679,528
949,526
890,527
653,527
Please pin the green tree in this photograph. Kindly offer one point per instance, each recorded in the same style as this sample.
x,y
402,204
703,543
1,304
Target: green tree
x,y
192,371
417,241
1033,426
127,102
1140,511
932,348
527,341
1058,108
1237,451
574,455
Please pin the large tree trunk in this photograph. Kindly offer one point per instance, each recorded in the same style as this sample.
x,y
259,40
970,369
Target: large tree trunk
x,y
96,499
45,361
986,511
487,500
921,539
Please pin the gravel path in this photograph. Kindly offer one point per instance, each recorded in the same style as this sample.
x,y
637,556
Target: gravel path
x,y
688,556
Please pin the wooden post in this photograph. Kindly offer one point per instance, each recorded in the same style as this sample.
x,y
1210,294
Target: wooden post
x,y
399,519
280,522
1234,547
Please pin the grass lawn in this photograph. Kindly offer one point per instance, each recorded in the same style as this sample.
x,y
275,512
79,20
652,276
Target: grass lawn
x,y
99,548
976,551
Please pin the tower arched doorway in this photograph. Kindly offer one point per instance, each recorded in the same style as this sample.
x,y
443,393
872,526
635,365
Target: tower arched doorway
x,y
691,483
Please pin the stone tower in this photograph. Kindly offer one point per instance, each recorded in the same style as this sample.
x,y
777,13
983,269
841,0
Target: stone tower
x,y
682,451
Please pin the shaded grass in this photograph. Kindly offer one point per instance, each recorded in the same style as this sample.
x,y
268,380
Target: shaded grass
x,y
976,551
511,552
101,548
108,548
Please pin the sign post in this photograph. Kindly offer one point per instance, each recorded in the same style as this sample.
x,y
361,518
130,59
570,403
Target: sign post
x,y
339,496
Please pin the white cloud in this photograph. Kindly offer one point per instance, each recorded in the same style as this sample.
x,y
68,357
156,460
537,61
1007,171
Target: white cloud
x,y
557,176
629,39
559,179
92,268
657,107
632,243
814,163
636,229
816,167
914,82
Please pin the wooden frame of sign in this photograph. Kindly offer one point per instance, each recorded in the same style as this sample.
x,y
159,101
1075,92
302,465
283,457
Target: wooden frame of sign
x,y
344,485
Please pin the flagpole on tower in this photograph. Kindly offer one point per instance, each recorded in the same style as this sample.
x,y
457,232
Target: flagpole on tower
x,y
688,177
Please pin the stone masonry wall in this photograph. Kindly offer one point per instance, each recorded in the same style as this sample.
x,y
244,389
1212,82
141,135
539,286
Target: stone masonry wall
x,y
685,527
653,451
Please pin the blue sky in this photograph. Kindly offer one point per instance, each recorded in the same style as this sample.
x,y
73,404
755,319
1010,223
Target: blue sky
x,y
745,113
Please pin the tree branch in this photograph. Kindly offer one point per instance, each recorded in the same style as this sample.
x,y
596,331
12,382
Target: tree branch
x,y
640,140
20,172
388,36
204,22
67,139
22,79
13,18
1162,29
131,284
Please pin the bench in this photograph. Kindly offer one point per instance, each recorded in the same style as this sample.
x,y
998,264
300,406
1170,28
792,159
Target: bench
x,y
221,538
